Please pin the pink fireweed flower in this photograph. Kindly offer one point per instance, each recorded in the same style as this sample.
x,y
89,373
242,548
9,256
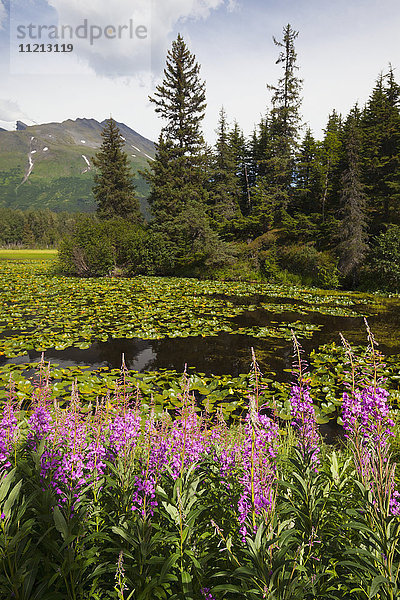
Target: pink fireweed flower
x,y
394,503
40,425
186,442
71,458
144,496
303,413
258,468
368,426
302,408
124,432
207,594
365,413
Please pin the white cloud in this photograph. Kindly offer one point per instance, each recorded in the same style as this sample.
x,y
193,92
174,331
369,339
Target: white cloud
x,y
10,111
130,56
233,5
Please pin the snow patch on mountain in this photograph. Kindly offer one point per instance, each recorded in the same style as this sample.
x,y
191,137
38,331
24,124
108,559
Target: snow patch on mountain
x,y
89,166
30,166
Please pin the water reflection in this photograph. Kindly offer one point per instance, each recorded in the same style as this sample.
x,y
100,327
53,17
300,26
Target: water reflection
x,y
227,353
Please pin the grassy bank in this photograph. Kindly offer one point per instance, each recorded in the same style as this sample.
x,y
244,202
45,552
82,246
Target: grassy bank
x,y
27,254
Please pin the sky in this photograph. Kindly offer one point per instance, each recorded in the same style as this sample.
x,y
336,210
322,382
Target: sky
x,y
119,54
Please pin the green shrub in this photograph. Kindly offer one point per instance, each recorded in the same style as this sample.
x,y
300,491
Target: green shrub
x,y
87,252
114,247
384,264
314,267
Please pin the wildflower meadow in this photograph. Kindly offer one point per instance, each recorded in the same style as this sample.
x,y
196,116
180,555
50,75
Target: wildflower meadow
x,y
117,500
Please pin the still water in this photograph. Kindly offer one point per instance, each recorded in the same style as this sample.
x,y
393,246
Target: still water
x,y
226,353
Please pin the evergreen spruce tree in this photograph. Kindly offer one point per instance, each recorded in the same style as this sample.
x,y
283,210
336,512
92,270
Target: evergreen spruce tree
x,y
181,100
331,152
179,175
224,183
241,160
114,190
278,137
263,192
308,176
354,240
262,147
381,149
285,116
252,158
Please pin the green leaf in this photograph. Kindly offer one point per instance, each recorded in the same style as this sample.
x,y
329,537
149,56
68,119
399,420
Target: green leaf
x,y
60,522
227,587
12,497
5,484
376,585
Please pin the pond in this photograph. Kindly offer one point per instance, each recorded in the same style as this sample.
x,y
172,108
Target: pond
x,y
165,323
162,326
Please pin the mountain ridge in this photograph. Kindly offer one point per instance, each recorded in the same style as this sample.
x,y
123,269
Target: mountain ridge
x,y
49,165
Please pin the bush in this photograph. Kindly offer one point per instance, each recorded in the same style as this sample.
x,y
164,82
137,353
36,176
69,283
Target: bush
x,y
99,248
384,269
314,267
156,256
87,252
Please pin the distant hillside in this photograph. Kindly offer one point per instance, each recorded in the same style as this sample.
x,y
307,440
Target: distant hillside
x,y
50,165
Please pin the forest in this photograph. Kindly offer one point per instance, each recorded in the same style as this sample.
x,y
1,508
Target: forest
x,y
279,205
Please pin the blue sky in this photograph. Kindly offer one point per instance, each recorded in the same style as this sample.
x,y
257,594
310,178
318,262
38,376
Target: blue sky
x,y
342,47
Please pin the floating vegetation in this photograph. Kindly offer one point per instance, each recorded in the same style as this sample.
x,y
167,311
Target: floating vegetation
x,y
327,379
303,330
39,311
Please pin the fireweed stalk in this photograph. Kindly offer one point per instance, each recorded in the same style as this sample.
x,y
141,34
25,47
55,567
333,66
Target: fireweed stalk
x,y
302,409
258,468
75,450
40,422
8,434
151,463
368,427
63,464
257,453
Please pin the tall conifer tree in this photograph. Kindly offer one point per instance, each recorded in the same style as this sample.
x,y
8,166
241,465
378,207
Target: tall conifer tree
x,y
353,246
331,151
240,154
285,114
181,99
381,151
114,190
279,133
308,175
225,184
178,176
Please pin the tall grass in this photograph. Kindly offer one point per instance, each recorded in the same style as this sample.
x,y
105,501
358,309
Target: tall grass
x,y
27,254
